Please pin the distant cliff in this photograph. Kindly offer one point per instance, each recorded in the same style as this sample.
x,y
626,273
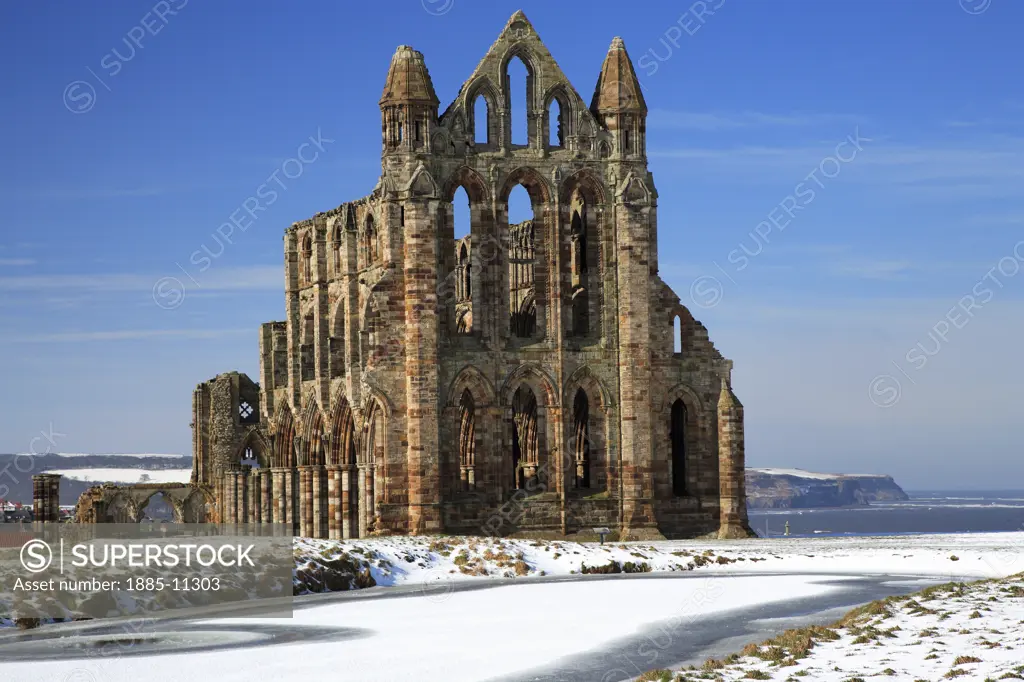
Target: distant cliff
x,y
798,489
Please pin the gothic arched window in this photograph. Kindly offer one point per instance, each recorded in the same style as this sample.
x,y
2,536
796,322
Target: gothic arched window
x,y
467,441
371,241
307,259
678,436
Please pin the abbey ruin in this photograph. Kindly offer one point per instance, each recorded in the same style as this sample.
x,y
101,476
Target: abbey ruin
x,y
533,378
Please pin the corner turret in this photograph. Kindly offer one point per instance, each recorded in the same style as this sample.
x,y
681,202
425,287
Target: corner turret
x,y
619,104
408,106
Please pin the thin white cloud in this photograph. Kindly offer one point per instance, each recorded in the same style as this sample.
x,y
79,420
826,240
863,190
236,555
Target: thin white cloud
x,y
17,262
987,167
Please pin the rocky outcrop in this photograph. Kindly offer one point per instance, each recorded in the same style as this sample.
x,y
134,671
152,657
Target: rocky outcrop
x,y
798,489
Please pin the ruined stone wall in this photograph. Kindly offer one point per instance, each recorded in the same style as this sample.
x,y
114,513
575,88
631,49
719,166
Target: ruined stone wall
x,y
111,503
397,397
226,421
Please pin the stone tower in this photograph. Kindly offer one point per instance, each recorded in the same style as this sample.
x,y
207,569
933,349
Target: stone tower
x,y
46,498
534,378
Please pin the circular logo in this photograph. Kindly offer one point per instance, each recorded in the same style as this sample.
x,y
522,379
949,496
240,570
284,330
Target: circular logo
x,y
36,556
616,674
79,97
437,7
438,585
975,6
484,250
627,95
80,675
168,293
706,291
885,390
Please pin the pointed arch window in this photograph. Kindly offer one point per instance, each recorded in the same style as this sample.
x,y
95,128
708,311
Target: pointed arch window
x,y
460,218
521,270
581,438
677,433
249,459
481,120
336,249
307,357
519,95
556,124
464,283
371,241
307,259
525,450
578,263
467,441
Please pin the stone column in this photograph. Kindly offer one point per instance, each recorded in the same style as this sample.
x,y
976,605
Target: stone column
x,y
255,496
266,496
319,502
305,501
371,497
731,467
632,222
279,502
255,490
241,513
46,498
346,503
230,496
361,498
290,517
422,362
334,501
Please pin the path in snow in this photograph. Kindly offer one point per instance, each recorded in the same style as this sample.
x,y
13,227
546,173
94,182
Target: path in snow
x,y
536,630
563,627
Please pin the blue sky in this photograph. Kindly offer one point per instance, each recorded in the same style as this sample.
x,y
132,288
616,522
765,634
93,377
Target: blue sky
x,y
122,158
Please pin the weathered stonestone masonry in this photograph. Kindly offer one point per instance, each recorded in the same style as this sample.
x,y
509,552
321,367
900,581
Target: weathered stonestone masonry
x,y
127,503
46,498
533,378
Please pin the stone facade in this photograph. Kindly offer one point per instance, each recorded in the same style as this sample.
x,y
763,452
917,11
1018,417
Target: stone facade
x,y
535,378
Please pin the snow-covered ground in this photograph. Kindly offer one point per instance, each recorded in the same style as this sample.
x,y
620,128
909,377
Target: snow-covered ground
x,y
948,631
526,624
411,560
126,475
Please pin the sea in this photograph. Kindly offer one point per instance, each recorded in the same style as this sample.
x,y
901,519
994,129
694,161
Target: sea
x,y
927,511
